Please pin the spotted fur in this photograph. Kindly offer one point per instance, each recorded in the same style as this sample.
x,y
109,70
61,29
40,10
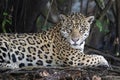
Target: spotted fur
x,y
61,45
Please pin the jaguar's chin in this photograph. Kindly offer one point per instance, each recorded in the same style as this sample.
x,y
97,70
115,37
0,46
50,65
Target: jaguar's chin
x,y
76,46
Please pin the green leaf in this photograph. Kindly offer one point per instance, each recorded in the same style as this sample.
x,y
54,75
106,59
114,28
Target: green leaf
x,y
101,3
3,25
8,21
5,13
99,25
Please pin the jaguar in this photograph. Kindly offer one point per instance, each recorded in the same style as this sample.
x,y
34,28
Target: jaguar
x,y
58,46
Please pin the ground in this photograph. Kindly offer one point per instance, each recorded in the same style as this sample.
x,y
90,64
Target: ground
x,y
61,74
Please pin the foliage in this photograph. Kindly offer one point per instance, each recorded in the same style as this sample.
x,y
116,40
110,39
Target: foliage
x,y
101,25
101,3
40,24
6,20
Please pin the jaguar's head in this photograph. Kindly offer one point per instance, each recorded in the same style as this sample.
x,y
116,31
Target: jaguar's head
x,y
75,28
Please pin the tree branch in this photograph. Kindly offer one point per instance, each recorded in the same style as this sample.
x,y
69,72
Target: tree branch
x,y
108,5
104,11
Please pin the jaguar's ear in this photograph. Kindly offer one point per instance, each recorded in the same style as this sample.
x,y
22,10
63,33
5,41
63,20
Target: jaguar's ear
x,y
62,17
90,19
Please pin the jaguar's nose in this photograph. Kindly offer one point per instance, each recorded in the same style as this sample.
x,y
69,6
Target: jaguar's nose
x,y
75,39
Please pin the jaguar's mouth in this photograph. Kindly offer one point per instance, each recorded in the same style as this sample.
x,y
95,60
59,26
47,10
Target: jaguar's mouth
x,y
75,44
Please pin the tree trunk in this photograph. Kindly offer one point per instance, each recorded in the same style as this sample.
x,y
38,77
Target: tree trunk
x,y
118,27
